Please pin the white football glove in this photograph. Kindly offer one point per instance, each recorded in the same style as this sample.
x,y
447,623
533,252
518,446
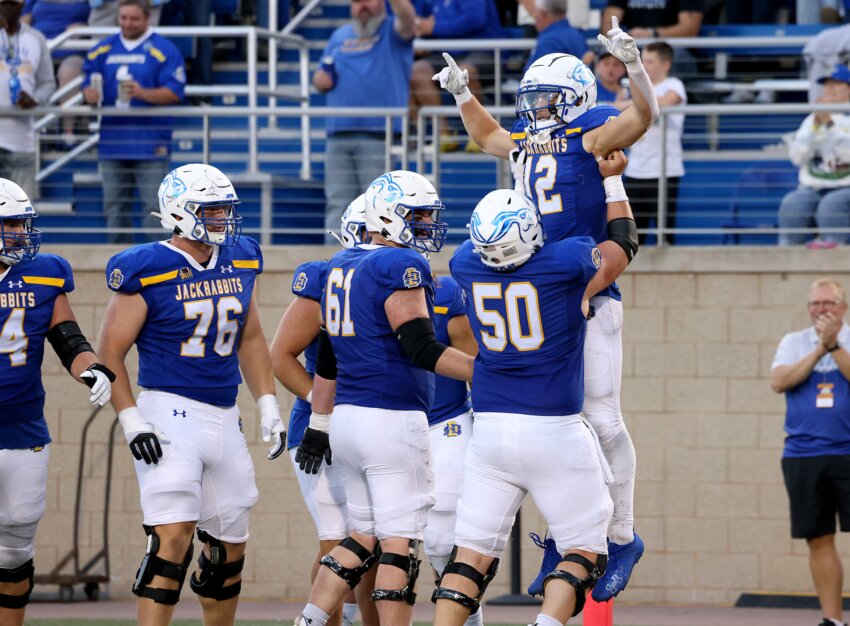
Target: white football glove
x,y
620,44
517,159
99,379
271,425
454,80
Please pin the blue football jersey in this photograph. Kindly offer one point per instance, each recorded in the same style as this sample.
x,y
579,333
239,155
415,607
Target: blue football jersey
x,y
373,369
530,328
450,396
564,181
308,282
189,342
28,292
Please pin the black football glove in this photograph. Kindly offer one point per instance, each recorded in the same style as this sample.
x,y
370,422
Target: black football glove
x,y
315,446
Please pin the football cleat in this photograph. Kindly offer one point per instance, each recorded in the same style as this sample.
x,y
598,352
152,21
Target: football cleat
x,y
551,558
621,561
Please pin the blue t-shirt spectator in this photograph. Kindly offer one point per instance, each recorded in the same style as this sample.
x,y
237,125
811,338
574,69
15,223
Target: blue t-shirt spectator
x,y
155,62
53,17
357,64
560,36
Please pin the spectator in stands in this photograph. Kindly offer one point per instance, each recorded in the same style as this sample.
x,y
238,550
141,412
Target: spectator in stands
x,y
643,173
819,11
659,18
662,18
609,72
454,19
139,68
367,63
812,368
199,13
105,12
821,149
556,34
828,48
52,18
27,73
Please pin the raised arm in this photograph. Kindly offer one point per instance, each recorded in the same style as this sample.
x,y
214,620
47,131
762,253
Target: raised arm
x,y
481,126
405,18
626,129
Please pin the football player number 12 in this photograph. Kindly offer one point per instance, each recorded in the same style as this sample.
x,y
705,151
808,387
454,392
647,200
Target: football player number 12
x,y
513,296
227,326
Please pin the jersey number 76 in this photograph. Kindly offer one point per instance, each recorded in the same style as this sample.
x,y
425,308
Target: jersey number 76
x,y
227,326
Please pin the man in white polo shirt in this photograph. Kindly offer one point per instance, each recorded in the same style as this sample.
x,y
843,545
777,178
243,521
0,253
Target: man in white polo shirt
x,y
812,368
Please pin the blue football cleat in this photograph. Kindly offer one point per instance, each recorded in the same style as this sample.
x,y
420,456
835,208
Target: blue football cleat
x,y
551,558
621,561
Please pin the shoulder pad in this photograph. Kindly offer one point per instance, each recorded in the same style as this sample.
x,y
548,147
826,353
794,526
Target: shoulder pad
x,y
309,280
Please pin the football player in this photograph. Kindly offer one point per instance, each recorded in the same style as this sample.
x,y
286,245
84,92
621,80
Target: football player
x,y
33,307
188,304
529,305
297,333
552,149
375,358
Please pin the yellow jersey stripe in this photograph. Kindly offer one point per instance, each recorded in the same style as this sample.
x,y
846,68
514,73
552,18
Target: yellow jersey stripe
x,y
441,309
253,264
572,131
518,136
155,53
44,280
159,278
98,51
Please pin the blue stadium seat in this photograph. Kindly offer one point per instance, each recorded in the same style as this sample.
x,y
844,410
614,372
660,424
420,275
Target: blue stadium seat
x,y
755,200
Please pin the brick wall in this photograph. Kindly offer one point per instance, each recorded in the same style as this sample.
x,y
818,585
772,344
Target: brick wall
x,y
701,329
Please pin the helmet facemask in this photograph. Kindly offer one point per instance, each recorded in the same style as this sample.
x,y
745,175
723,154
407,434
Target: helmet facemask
x,y
18,245
545,108
217,223
424,236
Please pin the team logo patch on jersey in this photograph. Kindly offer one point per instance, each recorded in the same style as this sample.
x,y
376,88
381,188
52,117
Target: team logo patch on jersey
x,y
596,257
116,278
184,273
412,277
300,282
451,429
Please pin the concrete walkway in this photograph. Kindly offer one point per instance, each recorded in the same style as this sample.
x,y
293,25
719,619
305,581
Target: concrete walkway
x,y
624,615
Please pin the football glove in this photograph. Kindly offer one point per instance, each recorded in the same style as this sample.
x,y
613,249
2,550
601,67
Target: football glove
x,y
315,446
143,438
620,44
517,159
271,425
454,80
99,379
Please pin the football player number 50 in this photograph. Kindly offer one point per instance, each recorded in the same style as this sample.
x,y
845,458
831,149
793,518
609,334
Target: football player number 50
x,y
227,326
520,300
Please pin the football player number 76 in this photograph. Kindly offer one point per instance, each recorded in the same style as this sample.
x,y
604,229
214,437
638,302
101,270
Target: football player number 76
x,y
227,326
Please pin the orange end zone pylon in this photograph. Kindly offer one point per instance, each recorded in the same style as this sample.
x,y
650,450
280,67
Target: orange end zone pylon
x,y
598,613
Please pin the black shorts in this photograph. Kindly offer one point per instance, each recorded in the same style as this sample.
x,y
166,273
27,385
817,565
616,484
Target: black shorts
x,y
819,489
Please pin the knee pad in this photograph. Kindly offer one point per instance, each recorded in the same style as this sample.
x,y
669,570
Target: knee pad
x,y
208,580
17,575
152,565
467,571
352,575
581,585
410,564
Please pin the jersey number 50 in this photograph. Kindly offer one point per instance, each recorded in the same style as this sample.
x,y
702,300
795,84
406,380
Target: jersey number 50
x,y
513,330
227,329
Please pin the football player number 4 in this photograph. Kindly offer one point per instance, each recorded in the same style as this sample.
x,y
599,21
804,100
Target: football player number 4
x,y
13,341
524,326
337,312
226,325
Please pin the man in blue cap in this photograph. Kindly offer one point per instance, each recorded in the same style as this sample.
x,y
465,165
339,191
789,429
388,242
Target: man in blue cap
x,y
821,149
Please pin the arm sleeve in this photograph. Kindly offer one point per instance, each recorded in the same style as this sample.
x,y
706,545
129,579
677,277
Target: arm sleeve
x,y
45,79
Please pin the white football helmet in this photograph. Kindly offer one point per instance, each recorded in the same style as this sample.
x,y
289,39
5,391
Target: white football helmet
x,y
16,212
505,229
352,230
395,201
188,193
555,90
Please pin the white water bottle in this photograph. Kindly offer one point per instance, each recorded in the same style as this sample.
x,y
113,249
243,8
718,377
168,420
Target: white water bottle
x,y
122,101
